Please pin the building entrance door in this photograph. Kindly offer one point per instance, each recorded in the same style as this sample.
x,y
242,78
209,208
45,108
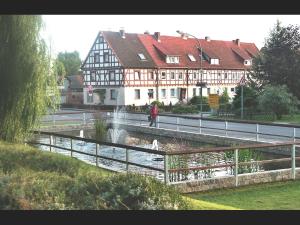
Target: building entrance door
x,y
182,94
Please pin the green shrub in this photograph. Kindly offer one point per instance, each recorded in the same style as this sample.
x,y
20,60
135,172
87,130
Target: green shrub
x,y
158,103
134,191
184,109
100,129
33,179
196,101
14,157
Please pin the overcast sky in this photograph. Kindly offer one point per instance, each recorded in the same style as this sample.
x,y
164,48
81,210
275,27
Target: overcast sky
x,y
78,32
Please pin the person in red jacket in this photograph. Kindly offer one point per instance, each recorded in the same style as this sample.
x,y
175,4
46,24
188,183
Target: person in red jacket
x,y
153,114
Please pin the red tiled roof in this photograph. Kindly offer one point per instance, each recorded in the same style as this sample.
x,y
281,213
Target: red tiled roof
x,y
127,49
213,48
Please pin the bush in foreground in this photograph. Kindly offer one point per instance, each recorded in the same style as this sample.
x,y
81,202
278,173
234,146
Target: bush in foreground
x,y
32,179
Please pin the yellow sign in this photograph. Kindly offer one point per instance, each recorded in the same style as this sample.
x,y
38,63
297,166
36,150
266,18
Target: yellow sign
x,y
213,101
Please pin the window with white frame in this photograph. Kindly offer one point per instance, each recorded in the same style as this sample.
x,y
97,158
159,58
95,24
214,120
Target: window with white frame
x,y
172,75
112,76
232,89
194,91
172,59
247,62
113,94
195,75
106,57
163,75
137,94
93,75
163,93
150,93
173,92
214,61
141,56
96,58
191,57
89,97
180,76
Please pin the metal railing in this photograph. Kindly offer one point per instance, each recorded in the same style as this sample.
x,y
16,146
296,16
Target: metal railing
x,y
235,164
248,130
97,149
167,169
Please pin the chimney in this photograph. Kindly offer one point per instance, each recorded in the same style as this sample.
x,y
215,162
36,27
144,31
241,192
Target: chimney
x,y
146,32
237,41
122,32
157,36
207,38
184,36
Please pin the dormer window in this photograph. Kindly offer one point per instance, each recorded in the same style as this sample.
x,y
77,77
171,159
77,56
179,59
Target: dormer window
x,y
214,61
247,62
141,56
191,57
172,59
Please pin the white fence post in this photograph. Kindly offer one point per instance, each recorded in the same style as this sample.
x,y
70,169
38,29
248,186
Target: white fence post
x,y
294,134
71,147
293,159
166,177
127,160
50,142
84,122
157,122
200,126
236,166
257,131
96,154
226,126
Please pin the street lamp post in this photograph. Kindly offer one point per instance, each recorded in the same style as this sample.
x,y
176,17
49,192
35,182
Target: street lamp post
x,y
201,84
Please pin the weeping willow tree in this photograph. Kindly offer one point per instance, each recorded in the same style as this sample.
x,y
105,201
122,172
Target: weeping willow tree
x,y
27,86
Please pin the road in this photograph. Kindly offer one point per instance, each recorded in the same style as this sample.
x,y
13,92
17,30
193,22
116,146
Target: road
x,y
67,116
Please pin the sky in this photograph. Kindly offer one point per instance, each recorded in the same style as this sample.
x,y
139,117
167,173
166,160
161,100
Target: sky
x,y
78,32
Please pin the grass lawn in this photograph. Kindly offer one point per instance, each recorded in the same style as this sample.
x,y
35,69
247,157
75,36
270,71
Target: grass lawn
x,y
34,179
279,195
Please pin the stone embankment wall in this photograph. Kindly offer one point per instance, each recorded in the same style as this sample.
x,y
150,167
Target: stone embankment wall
x,y
229,182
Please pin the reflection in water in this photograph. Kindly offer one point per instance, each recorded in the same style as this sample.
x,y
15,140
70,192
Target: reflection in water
x,y
157,161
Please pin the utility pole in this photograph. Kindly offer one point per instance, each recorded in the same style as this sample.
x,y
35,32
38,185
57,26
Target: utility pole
x,y
242,83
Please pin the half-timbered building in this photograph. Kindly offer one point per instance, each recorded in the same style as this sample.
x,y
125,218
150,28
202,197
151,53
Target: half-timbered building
x,y
124,68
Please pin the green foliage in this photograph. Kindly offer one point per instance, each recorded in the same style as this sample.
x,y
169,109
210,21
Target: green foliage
x,y
133,191
185,109
59,71
224,101
279,60
196,101
67,183
244,155
277,100
158,103
100,129
250,99
27,87
71,62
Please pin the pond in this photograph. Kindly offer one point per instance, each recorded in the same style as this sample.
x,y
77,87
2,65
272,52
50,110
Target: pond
x,y
154,160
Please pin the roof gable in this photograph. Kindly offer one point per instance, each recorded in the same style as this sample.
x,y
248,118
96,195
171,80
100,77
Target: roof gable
x,y
128,49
